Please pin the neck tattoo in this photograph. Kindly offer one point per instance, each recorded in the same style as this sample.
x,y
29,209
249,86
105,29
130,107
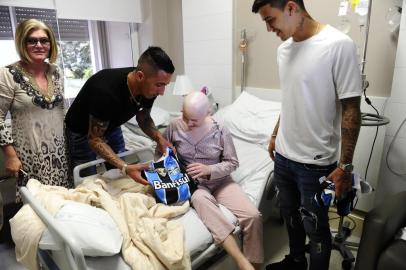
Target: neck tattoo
x,y
317,29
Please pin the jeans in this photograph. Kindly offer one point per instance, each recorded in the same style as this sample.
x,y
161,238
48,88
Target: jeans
x,y
80,151
298,184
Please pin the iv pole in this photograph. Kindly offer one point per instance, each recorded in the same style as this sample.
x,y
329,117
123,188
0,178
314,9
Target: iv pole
x,y
369,119
340,242
243,48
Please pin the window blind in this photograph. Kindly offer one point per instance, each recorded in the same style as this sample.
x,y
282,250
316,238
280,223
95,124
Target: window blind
x,y
69,30
6,31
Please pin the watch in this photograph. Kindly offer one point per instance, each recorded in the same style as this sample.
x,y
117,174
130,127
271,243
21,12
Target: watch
x,y
124,169
347,167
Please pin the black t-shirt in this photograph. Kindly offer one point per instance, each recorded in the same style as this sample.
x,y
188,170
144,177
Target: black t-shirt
x,y
105,96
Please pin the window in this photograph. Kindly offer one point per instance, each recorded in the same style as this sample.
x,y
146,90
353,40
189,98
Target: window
x,y
5,24
73,39
8,53
85,46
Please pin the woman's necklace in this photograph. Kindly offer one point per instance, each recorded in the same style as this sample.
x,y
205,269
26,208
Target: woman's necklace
x,y
42,82
44,99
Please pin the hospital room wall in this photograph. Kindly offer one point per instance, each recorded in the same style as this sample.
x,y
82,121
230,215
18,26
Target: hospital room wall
x,y
262,74
207,40
163,27
393,177
261,69
208,27
206,47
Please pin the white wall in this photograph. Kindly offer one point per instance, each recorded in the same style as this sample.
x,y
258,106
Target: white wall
x,y
390,183
262,71
29,3
8,53
102,10
207,41
363,150
119,44
163,27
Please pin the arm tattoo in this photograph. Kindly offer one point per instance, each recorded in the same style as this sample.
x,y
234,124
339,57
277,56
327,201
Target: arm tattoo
x,y
147,124
276,128
97,128
350,126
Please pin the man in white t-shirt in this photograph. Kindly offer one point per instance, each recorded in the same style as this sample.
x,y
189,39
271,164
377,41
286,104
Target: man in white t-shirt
x,y
321,88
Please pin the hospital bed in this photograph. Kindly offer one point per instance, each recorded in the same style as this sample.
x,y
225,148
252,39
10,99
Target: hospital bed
x,y
250,121
135,138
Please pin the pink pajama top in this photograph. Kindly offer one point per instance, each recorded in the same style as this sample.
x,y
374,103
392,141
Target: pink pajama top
x,y
215,149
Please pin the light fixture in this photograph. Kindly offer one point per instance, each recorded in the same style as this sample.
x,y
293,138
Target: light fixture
x,y
183,86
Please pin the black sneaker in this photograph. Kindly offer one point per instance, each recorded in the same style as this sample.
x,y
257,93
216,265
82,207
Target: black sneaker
x,y
289,264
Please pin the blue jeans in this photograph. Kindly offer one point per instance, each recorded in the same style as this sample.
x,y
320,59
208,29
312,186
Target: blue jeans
x,y
298,184
80,151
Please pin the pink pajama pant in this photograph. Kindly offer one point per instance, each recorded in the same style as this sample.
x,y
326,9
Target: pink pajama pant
x,y
228,193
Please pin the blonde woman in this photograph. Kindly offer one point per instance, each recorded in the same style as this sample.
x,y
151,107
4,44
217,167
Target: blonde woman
x,y
31,90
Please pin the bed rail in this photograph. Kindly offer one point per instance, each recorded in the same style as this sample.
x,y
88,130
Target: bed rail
x,y
71,250
142,154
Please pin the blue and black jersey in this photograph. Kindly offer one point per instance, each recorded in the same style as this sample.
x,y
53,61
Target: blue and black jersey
x,y
169,180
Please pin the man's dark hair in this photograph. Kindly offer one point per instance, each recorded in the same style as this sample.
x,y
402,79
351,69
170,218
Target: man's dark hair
x,y
156,59
280,4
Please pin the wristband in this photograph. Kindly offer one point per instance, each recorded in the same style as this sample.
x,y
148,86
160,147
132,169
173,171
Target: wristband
x,y
124,169
273,135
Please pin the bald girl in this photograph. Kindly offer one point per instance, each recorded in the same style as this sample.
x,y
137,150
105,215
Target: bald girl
x,y
206,148
196,115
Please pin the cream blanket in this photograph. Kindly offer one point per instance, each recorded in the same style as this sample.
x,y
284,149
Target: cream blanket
x,y
150,240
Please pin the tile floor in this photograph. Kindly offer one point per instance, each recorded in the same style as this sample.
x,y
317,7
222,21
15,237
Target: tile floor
x,y
275,245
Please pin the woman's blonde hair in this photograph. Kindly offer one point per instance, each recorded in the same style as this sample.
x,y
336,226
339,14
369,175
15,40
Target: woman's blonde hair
x,y
25,28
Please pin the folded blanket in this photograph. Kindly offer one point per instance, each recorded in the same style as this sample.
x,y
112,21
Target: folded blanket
x,y
150,240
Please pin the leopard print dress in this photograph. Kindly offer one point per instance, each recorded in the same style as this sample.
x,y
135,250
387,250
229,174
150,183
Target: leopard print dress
x,y
37,124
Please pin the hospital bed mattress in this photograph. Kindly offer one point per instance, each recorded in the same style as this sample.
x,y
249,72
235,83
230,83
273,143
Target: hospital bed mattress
x,y
250,121
197,237
253,173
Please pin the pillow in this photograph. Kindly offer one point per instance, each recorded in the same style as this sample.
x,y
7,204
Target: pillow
x,y
160,116
251,118
401,234
92,228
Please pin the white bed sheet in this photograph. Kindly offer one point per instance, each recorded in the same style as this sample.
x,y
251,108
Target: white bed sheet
x,y
255,163
134,138
255,167
197,239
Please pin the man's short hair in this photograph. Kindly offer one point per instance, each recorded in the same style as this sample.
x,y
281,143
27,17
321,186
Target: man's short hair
x,y
155,59
280,4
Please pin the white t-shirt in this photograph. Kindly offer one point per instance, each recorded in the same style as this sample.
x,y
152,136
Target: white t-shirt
x,y
314,75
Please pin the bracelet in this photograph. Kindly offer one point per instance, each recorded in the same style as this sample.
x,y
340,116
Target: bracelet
x,y
273,135
124,169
